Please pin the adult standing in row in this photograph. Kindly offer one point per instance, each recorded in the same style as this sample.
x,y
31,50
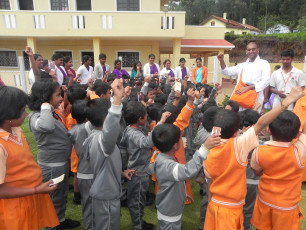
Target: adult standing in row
x,y
151,68
199,73
118,69
254,73
85,71
101,69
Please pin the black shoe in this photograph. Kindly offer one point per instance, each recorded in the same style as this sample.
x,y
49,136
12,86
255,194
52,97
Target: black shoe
x,y
201,192
147,226
76,201
68,223
57,228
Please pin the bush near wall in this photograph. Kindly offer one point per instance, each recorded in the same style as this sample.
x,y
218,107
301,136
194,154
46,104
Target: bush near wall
x,y
271,45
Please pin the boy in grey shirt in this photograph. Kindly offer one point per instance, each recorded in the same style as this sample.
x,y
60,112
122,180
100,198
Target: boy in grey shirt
x,y
171,175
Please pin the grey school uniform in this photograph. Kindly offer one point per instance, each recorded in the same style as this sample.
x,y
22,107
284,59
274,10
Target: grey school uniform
x,y
171,197
138,147
54,149
105,160
200,138
79,132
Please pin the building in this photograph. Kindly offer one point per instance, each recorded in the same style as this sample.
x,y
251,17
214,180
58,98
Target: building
x,y
126,29
278,29
231,26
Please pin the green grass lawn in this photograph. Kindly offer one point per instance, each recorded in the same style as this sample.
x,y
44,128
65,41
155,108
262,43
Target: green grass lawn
x,y
190,216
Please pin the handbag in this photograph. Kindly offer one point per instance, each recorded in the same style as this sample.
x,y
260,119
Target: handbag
x,y
247,99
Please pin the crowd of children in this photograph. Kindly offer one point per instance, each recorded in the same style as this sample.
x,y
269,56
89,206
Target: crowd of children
x,y
161,125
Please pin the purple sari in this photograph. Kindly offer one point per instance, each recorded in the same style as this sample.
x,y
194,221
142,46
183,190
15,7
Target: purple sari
x,y
184,73
121,72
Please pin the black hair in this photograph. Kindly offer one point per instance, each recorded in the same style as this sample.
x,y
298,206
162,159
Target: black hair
x,y
133,111
209,103
135,65
199,58
285,127
35,56
154,111
277,67
45,75
117,61
101,87
12,101
233,104
45,63
208,117
97,110
111,77
165,136
254,42
161,98
228,121
174,113
76,92
151,55
165,61
102,55
248,118
287,53
85,58
182,59
66,59
42,91
56,56
78,109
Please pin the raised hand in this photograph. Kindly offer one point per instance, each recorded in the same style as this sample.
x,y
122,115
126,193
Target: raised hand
x,y
164,117
117,87
212,142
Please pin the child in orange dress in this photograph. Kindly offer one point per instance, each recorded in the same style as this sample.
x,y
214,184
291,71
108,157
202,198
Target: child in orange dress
x,y
24,200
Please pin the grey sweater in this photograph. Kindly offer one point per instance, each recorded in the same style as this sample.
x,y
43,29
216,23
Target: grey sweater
x,y
104,156
51,136
171,177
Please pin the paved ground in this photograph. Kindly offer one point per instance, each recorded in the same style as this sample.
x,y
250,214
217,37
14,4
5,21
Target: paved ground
x,y
227,89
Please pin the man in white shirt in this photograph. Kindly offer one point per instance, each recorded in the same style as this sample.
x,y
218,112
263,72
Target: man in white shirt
x,y
285,78
255,73
101,69
39,61
85,71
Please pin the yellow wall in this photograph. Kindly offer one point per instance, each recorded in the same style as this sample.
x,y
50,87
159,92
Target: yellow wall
x,y
236,31
42,5
202,32
124,24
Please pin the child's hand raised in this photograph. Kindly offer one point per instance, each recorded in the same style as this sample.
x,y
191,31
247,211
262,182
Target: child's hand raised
x,y
295,94
191,95
117,87
45,187
212,142
164,117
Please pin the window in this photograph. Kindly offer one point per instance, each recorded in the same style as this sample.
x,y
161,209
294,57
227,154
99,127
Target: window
x,y
60,5
8,59
167,22
244,33
26,61
5,5
212,23
83,4
78,22
26,5
128,5
128,58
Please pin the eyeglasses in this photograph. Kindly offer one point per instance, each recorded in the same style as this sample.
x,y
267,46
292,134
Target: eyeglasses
x,y
253,49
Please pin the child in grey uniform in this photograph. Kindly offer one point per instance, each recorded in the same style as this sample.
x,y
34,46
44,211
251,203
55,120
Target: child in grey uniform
x,y
79,132
53,142
171,175
105,159
138,147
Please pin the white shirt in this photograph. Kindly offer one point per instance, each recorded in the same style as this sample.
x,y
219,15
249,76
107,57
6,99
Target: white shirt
x,y
147,70
257,73
31,77
59,74
285,82
99,71
165,71
178,73
85,74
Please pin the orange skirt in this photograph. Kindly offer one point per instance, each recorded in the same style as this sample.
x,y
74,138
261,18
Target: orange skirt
x,y
27,213
74,160
267,218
